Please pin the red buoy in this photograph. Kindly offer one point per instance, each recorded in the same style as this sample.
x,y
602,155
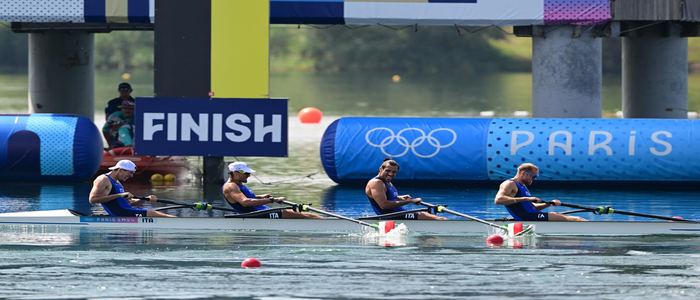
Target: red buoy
x,y
310,115
494,240
675,217
251,262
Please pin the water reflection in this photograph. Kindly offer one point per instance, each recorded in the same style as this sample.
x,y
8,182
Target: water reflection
x,y
41,196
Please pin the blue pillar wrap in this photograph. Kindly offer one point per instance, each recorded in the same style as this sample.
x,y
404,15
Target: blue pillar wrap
x,y
567,151
56,149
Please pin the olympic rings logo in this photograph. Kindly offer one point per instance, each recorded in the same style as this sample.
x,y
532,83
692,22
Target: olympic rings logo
x,y
401,140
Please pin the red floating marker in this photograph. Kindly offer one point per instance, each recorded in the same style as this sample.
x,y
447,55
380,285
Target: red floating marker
x,y
675,217
310,115
251,262
494,240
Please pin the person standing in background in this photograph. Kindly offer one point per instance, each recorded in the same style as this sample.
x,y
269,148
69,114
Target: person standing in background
x,y
124,90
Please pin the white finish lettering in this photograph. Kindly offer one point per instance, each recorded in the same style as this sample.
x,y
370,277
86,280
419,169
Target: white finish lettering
x,y
655,138
592,146
149,129
172,127
261,130
216,127
231,122
514,141
201,129
566,146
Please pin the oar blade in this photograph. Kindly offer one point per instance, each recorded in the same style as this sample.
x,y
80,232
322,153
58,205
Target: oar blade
x,y
518,229
385,227
527,230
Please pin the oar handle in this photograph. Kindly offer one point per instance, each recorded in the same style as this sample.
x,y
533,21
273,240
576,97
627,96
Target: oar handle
x,y
197,205
597,209
307,207
440,208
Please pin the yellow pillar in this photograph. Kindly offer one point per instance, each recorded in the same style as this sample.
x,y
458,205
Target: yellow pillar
x,y
240,39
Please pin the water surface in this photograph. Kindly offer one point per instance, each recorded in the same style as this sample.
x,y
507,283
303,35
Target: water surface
x,y
47,262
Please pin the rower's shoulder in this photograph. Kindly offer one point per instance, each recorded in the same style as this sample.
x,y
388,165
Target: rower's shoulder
x,y
507,184
100,178
230,185
375,182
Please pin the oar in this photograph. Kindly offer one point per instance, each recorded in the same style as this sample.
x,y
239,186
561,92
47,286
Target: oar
x,y
382,227
515,229
196,205
609,210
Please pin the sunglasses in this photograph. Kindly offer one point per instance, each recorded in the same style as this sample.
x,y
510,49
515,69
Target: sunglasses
x,y
243,172
533,176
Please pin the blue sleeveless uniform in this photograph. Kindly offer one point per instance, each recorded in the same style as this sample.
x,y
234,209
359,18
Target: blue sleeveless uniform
x,y
121,207
525,211
392,195
242,209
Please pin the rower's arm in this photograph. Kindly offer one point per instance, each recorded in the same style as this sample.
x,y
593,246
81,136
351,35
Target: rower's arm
x,y
540,206
506,192
378,192
100,191
233,193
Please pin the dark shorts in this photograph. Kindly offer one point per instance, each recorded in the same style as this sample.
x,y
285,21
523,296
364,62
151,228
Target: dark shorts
x,y
134,212
407,216
528,216
270,215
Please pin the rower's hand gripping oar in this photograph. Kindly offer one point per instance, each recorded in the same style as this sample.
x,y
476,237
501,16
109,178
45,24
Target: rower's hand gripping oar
x,y
381,227
514,229
601,210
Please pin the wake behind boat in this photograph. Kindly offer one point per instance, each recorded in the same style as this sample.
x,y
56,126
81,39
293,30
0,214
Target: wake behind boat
x,y
72,218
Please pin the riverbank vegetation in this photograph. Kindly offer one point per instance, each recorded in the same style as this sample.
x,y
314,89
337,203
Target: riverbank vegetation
x,y
425,49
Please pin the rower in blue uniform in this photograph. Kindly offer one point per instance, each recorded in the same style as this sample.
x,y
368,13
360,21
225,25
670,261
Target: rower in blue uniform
x,y
385,199
243,200
514,194
108,191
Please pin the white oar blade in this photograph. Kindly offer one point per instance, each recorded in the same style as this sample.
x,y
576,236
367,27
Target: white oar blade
x,y
519,229
386,226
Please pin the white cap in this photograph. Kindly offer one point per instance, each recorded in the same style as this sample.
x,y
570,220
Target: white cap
x,y
240,166
124,164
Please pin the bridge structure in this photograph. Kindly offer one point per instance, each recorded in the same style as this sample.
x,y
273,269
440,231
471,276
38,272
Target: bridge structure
x,y
219,48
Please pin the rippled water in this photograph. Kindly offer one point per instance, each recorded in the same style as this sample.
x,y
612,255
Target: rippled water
x,y
87,263
76,263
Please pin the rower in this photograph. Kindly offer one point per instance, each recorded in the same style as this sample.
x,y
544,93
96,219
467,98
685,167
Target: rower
x,y
385,199
514,194
243,200
108,191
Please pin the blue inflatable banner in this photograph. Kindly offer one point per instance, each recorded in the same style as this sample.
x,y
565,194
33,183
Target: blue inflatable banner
x,y
566,151
49,147
211,127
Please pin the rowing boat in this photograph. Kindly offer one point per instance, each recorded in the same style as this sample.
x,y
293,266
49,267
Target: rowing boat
x,y
68,217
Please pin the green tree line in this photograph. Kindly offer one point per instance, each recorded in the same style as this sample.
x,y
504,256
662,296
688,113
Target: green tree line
x,y
338,49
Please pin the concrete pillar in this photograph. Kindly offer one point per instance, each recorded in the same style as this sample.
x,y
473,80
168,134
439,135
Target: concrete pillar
x,y
655,73
213,167
567,72
62,72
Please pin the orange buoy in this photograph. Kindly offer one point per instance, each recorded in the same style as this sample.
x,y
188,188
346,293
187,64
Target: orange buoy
x,y
310,115
251,262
